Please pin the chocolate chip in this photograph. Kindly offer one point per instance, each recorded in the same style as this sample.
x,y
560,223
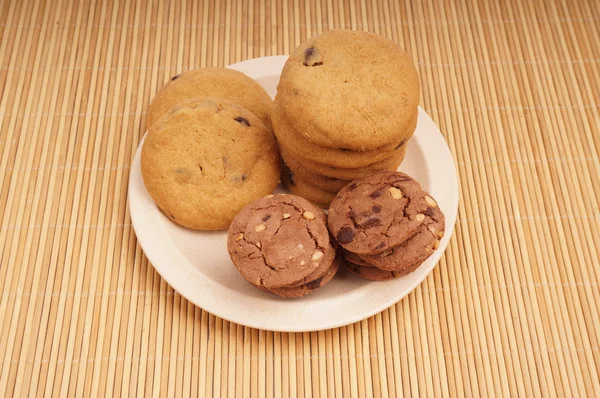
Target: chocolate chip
x,y
242,120
352,214
376,209
183,175
238,179
312,57
430,212
175,77
314,284
380,246
266,218
371,222
352,186
346,235
376,194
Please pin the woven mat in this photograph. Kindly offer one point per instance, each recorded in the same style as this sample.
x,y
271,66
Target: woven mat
x,y
511,309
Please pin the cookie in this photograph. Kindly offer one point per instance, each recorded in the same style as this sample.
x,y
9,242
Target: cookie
x,y
223,83
415,249
279,241
207,159
349,89
299,187
344,158
322,182
374,273
324,264
339,173
303,290
355,258
376,213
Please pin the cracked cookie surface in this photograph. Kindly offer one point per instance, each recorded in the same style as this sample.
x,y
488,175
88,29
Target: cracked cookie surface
x,y
349,89
211,82
206,160
414,250
374,214
311,286
280,241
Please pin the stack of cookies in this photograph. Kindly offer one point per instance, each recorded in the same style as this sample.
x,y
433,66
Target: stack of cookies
x,y
346,105
281,244
386,224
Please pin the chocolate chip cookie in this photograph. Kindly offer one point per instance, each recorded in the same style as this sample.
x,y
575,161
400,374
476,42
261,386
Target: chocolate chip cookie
x,y
211,82
376,213
302,188
296,162
322,182
349,89
280,241
205,160
343,158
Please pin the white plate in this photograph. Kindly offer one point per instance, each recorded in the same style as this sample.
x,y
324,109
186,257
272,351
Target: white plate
x,y
197,264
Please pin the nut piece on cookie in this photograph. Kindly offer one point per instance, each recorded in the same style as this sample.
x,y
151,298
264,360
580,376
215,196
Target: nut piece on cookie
x,y
286,247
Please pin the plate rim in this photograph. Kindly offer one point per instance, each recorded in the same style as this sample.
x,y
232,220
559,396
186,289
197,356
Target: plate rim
x,y
155,252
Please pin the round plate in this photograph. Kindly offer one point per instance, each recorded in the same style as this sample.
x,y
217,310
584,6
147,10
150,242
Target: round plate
x,y
197,264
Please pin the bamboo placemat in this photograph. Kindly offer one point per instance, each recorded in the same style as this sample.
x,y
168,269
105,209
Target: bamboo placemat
x,y
512,308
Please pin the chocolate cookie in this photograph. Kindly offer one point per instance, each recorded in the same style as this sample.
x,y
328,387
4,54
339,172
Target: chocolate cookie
x,y
311,286
211,82
295,161
349,89
343,158
299,187
376,274
207,159
324,264
279,241
415,249
355,258
378,212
